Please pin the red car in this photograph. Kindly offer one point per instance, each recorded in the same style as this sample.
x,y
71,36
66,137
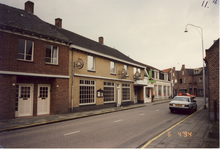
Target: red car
x,y
186,94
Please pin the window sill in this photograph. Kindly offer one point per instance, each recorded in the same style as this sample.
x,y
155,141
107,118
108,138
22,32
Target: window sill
x,y
31,61
109,102
113,73
51,64
91,71
86,104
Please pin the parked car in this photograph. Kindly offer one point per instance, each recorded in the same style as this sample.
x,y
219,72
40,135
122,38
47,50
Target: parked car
x,y
183,103
186,94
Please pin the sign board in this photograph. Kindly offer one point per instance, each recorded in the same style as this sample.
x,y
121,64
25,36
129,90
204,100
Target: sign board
x,y
152,81
150,74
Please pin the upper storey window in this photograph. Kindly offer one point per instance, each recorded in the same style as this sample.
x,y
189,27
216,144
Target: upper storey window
x,y
25,49
91,63
112,67
51,54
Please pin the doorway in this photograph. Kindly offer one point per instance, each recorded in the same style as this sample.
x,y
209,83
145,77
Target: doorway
x,y
43,101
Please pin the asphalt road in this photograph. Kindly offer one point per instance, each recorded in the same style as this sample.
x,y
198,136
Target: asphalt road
x,y
123,129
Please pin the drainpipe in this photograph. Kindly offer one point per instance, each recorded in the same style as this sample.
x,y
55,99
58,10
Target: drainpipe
x,y
207,72
72,79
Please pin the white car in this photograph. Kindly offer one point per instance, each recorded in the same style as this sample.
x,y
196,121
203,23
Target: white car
x,y
183,103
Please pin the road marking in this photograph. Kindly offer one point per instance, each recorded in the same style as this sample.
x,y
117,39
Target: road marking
x,y
72,133
169,129
142,114
117,121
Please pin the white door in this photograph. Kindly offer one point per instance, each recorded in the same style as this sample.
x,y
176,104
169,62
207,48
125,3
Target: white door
x,y
25,100
118,94
43,101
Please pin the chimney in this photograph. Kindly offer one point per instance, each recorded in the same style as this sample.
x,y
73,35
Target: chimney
x,y
101,40
29,7
183,66
58,22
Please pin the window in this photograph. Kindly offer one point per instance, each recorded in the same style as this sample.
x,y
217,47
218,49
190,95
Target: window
x,y
165,77
164,90
201,92
112,67
185,80
194,79
109,95
86,92
91,63
137,69
180,81
126,68
25,49
159,90
147,92
174,74
182,72
168,90
155,90
200,79
126,92
51,54
175,81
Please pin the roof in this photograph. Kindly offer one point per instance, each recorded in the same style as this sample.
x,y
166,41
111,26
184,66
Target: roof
x,y
19,20
167,70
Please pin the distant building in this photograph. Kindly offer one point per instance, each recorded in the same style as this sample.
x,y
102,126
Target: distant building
x,y
188,81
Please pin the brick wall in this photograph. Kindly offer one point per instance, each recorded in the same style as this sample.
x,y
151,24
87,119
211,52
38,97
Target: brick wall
x,y
7,98
9,62
212,56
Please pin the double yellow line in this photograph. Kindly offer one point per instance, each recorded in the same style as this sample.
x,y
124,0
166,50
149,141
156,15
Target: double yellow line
x,y
169,129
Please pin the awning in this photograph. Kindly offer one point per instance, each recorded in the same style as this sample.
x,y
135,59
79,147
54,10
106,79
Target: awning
x,y
140,83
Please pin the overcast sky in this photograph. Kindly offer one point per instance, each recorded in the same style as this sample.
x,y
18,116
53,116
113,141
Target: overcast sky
x,y
149,31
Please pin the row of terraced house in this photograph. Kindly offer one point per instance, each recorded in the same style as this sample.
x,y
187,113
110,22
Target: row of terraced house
x,y
47,70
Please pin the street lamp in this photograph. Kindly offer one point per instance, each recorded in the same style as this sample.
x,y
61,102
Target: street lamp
x,y
201,34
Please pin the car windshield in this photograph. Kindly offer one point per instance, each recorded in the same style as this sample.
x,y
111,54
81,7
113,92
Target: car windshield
x,y
181,99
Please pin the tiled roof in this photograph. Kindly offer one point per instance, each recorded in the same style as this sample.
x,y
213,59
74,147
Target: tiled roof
x,y
21,21
167,70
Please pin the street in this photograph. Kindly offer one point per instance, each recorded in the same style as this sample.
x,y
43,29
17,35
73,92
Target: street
x,y
123,129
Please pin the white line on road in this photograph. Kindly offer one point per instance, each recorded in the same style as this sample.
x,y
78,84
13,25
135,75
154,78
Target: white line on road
x,y
142,114
72,133
117,121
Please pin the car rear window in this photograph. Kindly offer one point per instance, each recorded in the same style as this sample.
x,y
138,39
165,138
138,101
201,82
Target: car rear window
x,y
181,99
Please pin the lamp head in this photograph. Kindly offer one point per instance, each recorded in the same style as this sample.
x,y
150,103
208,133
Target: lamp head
x,y
186,30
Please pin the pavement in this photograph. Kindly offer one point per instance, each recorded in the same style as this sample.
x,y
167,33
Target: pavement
x,y
188,133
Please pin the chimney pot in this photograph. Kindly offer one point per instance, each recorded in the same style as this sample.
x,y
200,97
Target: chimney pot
x,y
101,40
58,22
29,7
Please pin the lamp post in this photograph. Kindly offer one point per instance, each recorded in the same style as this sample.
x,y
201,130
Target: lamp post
x,y
201,34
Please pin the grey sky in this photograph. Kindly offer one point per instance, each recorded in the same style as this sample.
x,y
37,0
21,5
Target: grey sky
x,y
149,31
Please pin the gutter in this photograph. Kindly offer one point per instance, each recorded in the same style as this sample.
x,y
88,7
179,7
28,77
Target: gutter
x,y
72,80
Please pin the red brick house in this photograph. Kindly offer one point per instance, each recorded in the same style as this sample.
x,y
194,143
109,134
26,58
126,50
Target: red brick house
x,y
34,59
188,81
212,61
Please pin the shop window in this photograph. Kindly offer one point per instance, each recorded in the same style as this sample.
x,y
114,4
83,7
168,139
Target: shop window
x,y
109,94
86,92
126,94
147,92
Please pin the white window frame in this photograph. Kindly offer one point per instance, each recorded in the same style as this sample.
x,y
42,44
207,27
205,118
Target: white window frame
x,y
86,83
93,63
185,80
175,81
182,72
112,70
109,85
200,79
25,49
51,47
164,90
126,68
126,86
139,70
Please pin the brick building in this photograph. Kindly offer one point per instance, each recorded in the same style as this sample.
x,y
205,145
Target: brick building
x,y
188,81
34,59
45,69
212,61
